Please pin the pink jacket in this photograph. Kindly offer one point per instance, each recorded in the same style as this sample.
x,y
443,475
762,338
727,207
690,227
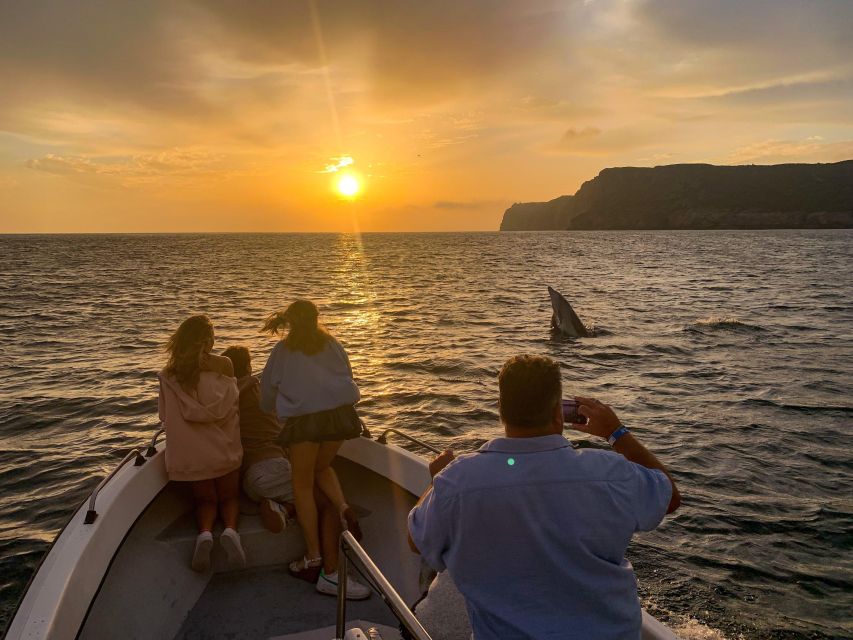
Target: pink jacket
x,y
202,429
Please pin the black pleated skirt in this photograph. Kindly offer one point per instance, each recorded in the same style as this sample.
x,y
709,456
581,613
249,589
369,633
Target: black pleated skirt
x,y
340,423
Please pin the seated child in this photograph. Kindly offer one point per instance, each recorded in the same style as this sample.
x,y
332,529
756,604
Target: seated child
x,y
266,469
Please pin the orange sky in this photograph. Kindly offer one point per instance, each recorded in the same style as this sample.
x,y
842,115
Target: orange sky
x,y
209,115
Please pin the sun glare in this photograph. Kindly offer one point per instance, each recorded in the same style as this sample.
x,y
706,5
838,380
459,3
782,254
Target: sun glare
x,y
348,185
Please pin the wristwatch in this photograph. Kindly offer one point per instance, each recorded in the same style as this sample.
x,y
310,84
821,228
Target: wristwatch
x,y
621,430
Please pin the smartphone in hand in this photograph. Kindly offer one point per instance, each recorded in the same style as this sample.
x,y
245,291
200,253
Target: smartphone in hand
x,y
570,412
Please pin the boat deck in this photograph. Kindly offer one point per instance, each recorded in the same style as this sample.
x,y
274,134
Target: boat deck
x,y
260,601
266,598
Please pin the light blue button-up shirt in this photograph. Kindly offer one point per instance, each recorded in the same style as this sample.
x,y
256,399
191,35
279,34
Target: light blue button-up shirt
x,y
534,534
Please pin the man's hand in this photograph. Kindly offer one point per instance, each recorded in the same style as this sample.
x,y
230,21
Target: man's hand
x,y
601,420
440,461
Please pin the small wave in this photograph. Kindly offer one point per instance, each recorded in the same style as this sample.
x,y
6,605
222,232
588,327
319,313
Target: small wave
x,y
692,629
800,408
668,349
716,323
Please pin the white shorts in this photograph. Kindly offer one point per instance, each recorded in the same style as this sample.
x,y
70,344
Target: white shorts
x,y
270,478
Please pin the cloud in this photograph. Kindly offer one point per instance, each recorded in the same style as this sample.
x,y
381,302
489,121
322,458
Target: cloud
x,y
592,141
450,205
131,170
337,164
577,134
812,149
728,46
450,98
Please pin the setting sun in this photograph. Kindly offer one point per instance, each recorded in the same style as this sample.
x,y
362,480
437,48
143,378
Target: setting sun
x,y
348,186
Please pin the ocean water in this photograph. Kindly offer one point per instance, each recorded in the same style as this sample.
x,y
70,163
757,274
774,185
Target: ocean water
x,y
728,353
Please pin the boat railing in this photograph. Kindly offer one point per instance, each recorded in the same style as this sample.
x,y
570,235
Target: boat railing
x,y
351,550
383,439
138,461
152,448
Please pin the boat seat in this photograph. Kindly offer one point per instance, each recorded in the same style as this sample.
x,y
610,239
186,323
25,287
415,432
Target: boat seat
x,y
261,546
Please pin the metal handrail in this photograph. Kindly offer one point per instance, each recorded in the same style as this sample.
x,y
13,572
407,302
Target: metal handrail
x,y
138,461
383,439
152,448
399,608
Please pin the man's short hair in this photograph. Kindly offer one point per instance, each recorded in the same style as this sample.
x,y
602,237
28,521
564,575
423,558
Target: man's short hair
x,y
240,358
530,387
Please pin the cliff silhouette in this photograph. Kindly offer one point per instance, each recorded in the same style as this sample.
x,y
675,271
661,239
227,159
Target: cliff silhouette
x,y
699,196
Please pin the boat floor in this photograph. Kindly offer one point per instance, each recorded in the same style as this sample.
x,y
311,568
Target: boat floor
x,y
266,598
150,591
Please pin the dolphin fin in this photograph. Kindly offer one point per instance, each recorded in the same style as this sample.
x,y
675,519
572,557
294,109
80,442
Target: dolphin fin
x,y
565,319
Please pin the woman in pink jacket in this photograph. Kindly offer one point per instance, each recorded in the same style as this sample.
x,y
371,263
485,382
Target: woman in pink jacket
x,y
199,410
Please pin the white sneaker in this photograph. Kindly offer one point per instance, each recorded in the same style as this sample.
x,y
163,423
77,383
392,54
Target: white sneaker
x,y
273,516
201,555
328,584
230,541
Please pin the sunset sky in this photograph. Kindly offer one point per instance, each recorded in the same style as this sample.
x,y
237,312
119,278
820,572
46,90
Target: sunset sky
x,y
183,115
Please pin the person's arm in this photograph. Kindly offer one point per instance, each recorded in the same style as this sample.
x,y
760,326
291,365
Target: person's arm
x,y
438,463
218,364
269,383
161,404
602,421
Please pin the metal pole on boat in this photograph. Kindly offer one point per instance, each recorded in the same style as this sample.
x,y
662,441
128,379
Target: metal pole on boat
x,y
380,583
341,620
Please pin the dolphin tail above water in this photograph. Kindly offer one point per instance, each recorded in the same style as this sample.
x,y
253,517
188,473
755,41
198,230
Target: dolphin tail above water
x,y
565,319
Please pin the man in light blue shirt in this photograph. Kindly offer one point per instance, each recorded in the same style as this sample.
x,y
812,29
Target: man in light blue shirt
x,y
534,532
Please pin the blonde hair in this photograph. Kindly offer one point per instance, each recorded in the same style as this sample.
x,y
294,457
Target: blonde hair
x,y
304,332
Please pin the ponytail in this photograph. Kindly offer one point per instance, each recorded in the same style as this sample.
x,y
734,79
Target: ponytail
x,y
275,322
304,333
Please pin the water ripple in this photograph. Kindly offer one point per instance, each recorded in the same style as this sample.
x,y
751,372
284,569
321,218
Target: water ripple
x,y
729,353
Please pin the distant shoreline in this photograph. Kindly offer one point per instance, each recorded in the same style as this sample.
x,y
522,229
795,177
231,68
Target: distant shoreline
x,y
696,197
45,234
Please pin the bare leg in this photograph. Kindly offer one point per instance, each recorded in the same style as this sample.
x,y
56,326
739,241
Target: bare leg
x,y
204,496
327,480
330,532
303,458
326,477
228,492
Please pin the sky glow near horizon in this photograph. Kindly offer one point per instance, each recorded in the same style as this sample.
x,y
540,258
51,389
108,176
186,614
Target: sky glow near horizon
x,y
206,115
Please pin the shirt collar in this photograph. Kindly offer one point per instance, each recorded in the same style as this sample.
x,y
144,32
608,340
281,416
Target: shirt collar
x,y
526,445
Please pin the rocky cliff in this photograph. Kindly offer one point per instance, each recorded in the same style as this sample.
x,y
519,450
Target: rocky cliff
x,y
699,196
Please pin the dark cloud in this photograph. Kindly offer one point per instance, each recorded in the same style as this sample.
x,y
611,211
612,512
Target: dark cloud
x,y
753,38
409,49
123,51
594,141
253,72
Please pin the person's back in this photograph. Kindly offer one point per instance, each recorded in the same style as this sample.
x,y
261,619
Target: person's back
x,y
259,431
202,426
534,532
295,383
198,407
547,539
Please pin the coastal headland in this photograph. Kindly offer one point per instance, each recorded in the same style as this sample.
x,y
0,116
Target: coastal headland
x,y
699,196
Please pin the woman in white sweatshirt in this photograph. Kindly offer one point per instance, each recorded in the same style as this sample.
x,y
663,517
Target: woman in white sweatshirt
x,y
308,383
